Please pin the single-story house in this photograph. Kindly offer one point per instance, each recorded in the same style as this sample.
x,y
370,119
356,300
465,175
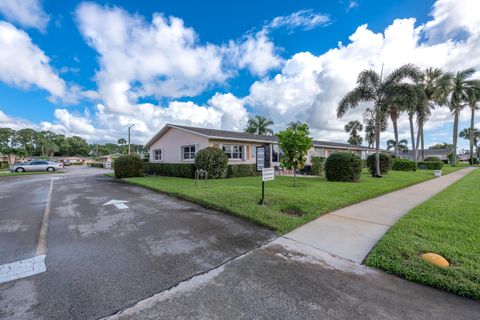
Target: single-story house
x,y
440,153
179,144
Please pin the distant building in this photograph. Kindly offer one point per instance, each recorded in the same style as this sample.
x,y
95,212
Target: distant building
x,y
440,153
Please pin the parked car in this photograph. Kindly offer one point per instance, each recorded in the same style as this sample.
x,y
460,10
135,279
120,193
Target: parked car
x,y
66,162
36,165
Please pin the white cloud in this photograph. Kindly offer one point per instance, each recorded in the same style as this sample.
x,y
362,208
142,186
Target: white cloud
x,y
7,121
305,19
23,64
27,13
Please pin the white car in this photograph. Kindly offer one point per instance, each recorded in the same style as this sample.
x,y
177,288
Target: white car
x,y
36,165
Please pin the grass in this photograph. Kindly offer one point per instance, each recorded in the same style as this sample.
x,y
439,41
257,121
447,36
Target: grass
x,y
447,224
10,174
286,207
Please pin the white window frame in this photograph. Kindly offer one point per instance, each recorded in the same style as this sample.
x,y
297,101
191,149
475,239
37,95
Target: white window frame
x,y
234,152
154,155
191,154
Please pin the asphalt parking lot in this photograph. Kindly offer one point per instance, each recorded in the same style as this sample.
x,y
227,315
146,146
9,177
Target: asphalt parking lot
x,y
100,258
150,256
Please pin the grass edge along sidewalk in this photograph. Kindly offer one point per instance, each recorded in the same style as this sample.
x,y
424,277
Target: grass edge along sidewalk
x,y
286,207
447,224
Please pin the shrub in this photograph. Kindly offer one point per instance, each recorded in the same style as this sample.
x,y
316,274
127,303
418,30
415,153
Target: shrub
x,y
432,158
386,163
343,167
213,160
317,166
400,164
430,165
128,166
4,165
475,161
179,170
241,170
96,165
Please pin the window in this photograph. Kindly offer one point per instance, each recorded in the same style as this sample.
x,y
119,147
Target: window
x,y
157,155
233,151
277,153
188,152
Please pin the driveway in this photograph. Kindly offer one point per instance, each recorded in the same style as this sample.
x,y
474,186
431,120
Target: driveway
x,y
101,259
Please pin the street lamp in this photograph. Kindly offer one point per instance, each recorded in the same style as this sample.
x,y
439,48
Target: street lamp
x,y
129,137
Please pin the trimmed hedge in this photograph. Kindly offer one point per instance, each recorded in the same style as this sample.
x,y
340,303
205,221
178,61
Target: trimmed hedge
x,y
317,166
179,170
343,167
386,163
96,165
128,166
4,165
430,165
213,160
404,165
432,158
241,170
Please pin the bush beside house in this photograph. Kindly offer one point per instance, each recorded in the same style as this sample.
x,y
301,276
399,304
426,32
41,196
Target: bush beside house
x,y
404,165
128,166
213,160
241,170
386,163
432,158
317,166
179,170
343,167
430,165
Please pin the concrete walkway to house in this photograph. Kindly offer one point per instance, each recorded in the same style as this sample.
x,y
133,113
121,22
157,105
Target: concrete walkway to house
x,y
352,232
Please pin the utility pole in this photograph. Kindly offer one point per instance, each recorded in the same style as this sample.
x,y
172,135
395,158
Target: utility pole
x,y
129,137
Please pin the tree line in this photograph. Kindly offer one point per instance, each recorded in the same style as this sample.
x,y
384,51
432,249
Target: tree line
x,y
46,144
414,92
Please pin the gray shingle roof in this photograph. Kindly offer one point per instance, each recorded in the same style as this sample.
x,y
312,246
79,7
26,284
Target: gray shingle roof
x,y
243,136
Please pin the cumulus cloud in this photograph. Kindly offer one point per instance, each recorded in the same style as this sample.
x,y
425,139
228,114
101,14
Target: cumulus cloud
x,y
23,64
27,13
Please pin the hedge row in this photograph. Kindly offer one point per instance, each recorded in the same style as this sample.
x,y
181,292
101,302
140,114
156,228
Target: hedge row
x,y
96,165
4,165
128,166
404,165
241,170
430,165
179,170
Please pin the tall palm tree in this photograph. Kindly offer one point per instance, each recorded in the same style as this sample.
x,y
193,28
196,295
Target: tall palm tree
x,y
382,93
369,121
402,145
259,125
473,99
353,127
461,86
435,85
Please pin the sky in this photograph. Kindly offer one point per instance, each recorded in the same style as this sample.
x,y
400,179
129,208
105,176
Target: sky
x,y
92,68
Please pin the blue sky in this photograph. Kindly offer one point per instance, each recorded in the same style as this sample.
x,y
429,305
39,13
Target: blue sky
x,y
91,68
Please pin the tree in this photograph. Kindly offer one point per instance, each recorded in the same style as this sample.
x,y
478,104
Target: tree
x,y
122,142
460,89
467,134
369,121
382,93
473,98
440,146
402,145
295,142
435,85
259,125
353,127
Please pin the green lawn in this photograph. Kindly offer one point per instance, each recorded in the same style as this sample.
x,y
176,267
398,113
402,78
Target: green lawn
x,y
286,207
447,224
10,174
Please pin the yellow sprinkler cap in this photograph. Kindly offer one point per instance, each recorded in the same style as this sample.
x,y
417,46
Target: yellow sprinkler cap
x,y
435,259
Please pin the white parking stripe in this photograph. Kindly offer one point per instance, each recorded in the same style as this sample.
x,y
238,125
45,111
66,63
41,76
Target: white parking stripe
x,y
22,269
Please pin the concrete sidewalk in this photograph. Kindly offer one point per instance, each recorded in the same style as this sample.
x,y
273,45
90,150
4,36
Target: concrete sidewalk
x,y
352,232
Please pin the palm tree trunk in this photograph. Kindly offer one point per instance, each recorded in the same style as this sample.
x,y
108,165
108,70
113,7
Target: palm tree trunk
x,y
412,135
455,137
472,127
395,132
423,145
419,133
377,149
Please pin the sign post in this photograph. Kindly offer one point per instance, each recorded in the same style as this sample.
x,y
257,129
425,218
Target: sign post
x,y
263,165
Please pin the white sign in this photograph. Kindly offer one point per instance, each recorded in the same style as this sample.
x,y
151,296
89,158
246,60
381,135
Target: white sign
x,y
260,158
120,204
268,174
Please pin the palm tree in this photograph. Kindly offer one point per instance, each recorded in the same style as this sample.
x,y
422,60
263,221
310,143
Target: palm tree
x,y
402,145
259,125
382,92
353,127
369,121
473,98
467,134
460,89
435,85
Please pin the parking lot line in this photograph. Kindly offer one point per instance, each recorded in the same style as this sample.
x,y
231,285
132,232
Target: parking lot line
x,y
42,237
23,268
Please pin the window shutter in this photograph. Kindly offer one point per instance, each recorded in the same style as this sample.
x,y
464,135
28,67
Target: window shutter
x,y
244,152
162,154
181,153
